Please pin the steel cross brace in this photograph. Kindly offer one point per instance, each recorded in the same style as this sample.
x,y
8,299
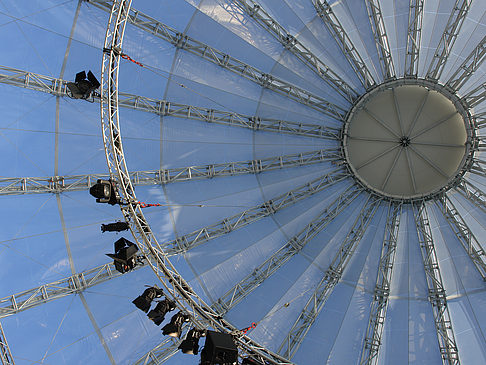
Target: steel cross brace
x,y
332,23
381,39
58,87
251,215
414,36
295,46
437,294
372,341
331,277
458,14
5,353
266,269
472,193
186,43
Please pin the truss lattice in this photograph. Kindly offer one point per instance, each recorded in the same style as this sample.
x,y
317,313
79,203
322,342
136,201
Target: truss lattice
x,y
414,36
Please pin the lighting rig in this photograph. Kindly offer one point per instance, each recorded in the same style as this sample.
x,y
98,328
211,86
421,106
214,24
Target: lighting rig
x,y
104,191
174,327
115,227
83,86
125,257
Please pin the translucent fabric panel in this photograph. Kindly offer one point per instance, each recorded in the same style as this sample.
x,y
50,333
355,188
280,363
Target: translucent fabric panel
x,y
58,332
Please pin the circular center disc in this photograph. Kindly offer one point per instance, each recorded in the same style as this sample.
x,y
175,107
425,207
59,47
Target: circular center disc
x,y
406,140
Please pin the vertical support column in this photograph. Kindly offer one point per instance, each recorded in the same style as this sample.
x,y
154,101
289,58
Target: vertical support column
x,y
414,35
437,294
372,342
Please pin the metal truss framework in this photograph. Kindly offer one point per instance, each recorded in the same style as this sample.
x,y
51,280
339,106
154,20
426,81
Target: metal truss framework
x,y
381,39
262,17
464,234
414,36
5,353
480,120
468,67
58,289
324,10
374,331
281,256
478,167
182,41
163,351
476,96
458,14
184,243
331,277
472,193
201,315
437,294
59,184
58,87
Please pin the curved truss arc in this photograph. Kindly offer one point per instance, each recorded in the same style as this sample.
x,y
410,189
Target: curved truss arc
x,y
202,316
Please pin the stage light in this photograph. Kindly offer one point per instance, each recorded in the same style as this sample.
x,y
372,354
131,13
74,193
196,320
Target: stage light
x,y
161,309
125,256
114,227
220,348
190,345
104,192
143,301
250,361
173,329
82,87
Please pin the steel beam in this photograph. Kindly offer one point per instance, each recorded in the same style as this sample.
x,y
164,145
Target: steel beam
x,y
331,277
458,14
476,96
58,87
478,167
251,215
464,234
58,289
208,53
324,10
468,67
5,353
414,36
61,184
480,120
374,331
381,38
164,350
263,18
472,193
436,291
281,256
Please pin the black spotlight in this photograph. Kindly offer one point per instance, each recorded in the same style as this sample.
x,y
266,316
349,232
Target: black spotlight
x,y
190,345
125,256
143,301
158,313
173,329
220,348
114,227
104,192
82,87
250,361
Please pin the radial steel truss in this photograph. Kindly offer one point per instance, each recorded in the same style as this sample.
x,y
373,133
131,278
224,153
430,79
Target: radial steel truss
x,y
472,193
414,36
201,315
58,289
61,184
262,17
281,256
186,43
469,66
332,23
331,277
251,215
478,167
464,234
476,96
374,331
437,293
5,353
58,87
480,120
164,350
458,14
381,39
